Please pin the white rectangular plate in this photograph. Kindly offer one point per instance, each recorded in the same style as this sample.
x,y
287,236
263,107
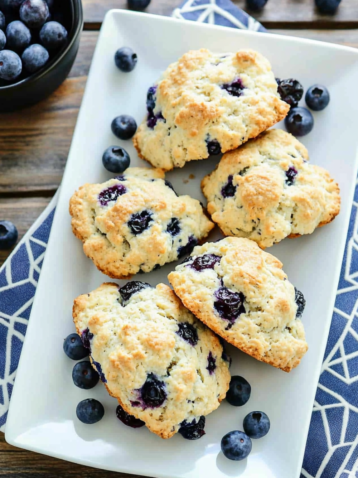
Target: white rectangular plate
x,y
42,412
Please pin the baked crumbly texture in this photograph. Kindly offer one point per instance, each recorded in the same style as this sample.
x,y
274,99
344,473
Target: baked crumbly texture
x,y
243,295
266,191
136,222
143,338
206,103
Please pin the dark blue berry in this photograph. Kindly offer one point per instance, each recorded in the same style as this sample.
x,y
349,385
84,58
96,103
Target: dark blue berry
x,y
2,21
299,121
138,4
188,248
84,376
291,173
139,222
169,184
116,159
11,5
192,430
317,97
2,40
18,36
239,391
111,194
127,419
53,35
207,261
34,13
235,88
256,424
188,332
236,445
90,411
229,304
173,227
229,189
327,6
73,347
8,232
225,356
86,337
300,301
153,392
211,363
124,127
34,58
125,59
131,288
152,119
290,91
213,147
151,98
98,367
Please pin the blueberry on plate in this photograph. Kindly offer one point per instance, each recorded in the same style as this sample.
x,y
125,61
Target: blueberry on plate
x,y
34,58
116,159
327,6
124,127
317,97
138,4
18,36
192,430
34,13
239,391
256,424
256,4
125,59
290,91
84,376
2,21
73,347
236,445
8,232
127,419
2,40
53,35
90,411
299,121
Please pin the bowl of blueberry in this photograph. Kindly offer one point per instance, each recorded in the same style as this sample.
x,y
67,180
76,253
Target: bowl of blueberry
x,y
39,40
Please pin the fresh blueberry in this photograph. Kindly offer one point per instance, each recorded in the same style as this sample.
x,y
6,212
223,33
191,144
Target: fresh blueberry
x,y
153,392
2,21
125,59
188,248
192,430
111,194
139,222
18,36
213,147
73,347
235,88
98,367
127,419
290,90
86,337
90,411
211,364
228,304
124,127
229,189
300,301
317,97
291,173
256,424
2,40
53,35
84,376
34,13
256,5
8,232
327,6
207,261
299,121
173,227
236,445
138,4
169,185
239,391
116,159
34,58
131,288
188,332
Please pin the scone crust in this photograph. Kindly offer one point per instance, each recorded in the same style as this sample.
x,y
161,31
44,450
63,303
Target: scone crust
x,y
140,337
264,207
193,108
268,329
105,232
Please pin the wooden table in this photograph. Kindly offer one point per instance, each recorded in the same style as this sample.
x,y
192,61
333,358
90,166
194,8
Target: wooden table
x,y
34,144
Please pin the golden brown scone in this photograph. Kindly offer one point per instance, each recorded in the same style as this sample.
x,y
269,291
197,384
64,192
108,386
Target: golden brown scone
x,y
207,103
243,295
266,190
163,365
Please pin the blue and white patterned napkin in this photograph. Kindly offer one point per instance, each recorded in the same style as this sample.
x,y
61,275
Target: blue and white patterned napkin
x,y
332,445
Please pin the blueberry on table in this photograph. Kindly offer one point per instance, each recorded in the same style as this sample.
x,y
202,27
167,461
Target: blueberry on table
x,y
256,424
256,4
90,411
317,97
236,445
192,430
84,376
34,13
2,40
239,391
53,35
124,126
299,121
138,4
2,21
116,159
327,6
8,232
290,91
125,59
18,36
73,347
127,419
34,58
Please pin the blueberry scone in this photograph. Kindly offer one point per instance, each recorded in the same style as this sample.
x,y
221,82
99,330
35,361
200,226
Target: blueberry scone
x,y
242,294
267,190
163,365
136,222
207,103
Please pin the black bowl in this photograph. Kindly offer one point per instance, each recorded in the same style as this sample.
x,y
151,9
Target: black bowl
x,y
36,87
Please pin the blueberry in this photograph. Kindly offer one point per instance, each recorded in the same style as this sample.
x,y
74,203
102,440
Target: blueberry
x,y
125,59
8,232
239,391
2,21
188,332
188,248
139,222
173,227
153,392
90,411
169,185
327,6
256,424
317,97
236,445
74,348
151,98
2,40
131,288
34,58
192,430
124,127
53,35
291,173
256,4
84,376
11,5
111,194
86,337
138,4
300,301
213,147
225,356
235,88
153,119
34,13
211,363
299,121
18,36
290,90
229,189
98,367
116,159
229,304
127,419
207,261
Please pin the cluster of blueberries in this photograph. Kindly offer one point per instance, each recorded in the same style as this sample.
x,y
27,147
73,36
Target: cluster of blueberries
x,y
28,36
323,6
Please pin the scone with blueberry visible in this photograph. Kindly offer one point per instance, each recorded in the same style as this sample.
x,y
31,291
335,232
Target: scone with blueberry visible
x,y
207,103
267,190
243,295
163,365
136,222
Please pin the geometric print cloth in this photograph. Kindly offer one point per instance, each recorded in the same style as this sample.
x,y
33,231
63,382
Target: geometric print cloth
x,y
332,443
